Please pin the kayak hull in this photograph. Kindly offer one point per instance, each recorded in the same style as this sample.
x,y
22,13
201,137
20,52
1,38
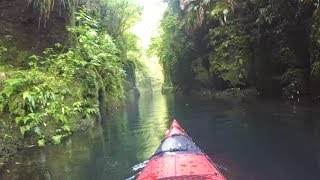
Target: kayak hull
x,y
178,157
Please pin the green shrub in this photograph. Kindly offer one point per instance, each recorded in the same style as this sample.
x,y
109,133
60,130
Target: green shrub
x,y
61,86
231,54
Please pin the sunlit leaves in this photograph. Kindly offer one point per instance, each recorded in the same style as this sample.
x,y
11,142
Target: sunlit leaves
x,y
169,46
41,142
118,16
64,83
57,139
40,99
220,7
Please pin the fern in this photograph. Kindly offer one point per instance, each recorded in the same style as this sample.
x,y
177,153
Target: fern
x,y
63,85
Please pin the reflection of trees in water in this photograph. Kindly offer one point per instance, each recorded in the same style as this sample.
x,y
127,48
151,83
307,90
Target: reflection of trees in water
x,y
76,156
133,134
249,137
67,160
153,122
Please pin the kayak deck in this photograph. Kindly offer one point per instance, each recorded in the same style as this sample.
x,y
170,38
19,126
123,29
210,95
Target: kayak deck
x,y
180,165
178,157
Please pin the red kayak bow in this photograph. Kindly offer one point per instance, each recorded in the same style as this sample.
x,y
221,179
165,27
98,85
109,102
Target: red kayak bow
x,y
178,157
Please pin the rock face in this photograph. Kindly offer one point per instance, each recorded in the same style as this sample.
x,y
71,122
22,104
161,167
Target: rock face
x,y
21,23
282,61
280,46
282,56
130,80
130,69
201,74
315,54
203,78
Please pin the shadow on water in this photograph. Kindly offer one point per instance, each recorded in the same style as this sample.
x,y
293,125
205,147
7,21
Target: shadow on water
x,y
254,139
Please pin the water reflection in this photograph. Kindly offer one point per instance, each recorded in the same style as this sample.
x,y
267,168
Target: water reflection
x,y
107,151
134,134
253,139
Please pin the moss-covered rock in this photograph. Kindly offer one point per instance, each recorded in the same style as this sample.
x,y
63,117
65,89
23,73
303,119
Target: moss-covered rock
x,y
130,78
315,54
201,73
19,22
251,43
295,83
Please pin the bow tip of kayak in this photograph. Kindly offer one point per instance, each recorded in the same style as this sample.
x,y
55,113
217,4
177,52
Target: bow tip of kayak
x,y
175,129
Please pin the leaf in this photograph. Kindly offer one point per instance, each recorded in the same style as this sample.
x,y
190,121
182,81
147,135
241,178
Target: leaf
x,y
41,143
67,128
63,119
57,139
225,11
18,119
38,131
25,119
92,33
25,94
83,63
23,130
6,136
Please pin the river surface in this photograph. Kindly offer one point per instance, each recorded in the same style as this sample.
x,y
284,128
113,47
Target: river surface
x,y
255,139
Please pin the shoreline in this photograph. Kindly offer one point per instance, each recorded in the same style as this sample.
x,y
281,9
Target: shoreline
x,y
248,93
15,143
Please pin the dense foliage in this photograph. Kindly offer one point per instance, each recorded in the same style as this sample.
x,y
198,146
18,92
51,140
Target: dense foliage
x,y
170,45
226,44
52,94
62,85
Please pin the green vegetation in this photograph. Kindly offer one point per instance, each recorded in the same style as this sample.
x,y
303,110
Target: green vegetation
x,y
220,44
50,95
315,58
231,54
202,45
63,85
170,45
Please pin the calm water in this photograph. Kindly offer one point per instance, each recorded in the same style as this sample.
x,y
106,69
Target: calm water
x,y
254,139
